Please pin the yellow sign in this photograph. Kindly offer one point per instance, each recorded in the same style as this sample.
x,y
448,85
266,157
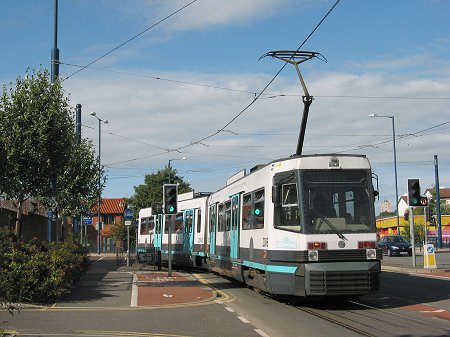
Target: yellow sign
x,y
429,258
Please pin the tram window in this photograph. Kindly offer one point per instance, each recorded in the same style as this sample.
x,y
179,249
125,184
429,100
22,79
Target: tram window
x,y
144,226
179,223
199,220
188,221
221,222
289,194
166,224
247,211
346,193
349,206
227,215
151,225
212,219
287,215
258,209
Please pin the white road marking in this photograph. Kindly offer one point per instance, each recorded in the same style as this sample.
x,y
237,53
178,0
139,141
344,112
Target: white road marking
x,y
261,333
134,292
229,309
243,319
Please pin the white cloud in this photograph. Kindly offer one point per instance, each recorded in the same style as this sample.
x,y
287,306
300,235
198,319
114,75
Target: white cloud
x,y
171,115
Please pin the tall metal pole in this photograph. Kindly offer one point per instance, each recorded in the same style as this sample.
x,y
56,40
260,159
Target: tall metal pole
x,y
438,201
395,167
99,181
55,50
395,172
171,221
54,75
99,173
169,233
411,233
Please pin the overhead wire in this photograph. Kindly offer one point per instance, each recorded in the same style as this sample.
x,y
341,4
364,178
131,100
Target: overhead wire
x,y
264,89
129,40
253,93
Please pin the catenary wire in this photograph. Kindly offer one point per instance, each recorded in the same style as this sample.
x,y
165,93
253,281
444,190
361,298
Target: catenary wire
x,y
264,89
253,93
130,39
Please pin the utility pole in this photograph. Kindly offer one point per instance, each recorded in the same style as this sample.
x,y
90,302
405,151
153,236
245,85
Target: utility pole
x,y
438,201
55,50
54,75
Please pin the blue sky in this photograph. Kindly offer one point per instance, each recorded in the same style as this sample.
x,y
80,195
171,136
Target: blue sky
x,y
388,57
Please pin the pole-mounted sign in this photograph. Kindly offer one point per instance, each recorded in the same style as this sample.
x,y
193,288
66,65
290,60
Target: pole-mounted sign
x,y
128,214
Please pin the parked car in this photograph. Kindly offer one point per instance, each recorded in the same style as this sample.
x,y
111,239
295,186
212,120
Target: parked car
x,y
395,245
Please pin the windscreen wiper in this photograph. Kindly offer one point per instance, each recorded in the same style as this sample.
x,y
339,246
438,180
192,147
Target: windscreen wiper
x,y
338,233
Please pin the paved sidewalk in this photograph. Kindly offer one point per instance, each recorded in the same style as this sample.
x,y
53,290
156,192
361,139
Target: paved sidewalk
x,y
157,288
109,285
151,287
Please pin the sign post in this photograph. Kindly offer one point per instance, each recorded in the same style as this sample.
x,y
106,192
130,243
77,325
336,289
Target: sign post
x,y
128,215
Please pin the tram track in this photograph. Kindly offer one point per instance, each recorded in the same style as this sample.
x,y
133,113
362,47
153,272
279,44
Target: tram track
x,y
368,320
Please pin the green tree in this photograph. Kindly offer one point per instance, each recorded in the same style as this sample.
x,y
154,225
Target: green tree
x,y
119,232
79,188
419,230
39,153
445,208
151,190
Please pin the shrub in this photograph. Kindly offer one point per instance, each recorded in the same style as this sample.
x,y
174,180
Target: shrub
x,y
41,273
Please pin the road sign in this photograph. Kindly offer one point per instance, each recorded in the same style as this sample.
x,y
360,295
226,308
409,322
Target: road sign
x,y
429,258
128,214
128,223
87,219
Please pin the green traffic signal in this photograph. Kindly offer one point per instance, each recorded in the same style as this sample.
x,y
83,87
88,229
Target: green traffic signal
x,y
257,211
170,194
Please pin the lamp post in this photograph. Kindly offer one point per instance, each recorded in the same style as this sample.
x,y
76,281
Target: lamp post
x,y
395,166
100,121
170,168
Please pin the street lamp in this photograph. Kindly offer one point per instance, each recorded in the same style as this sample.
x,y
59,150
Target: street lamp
x,y
395,166
170,168
99,173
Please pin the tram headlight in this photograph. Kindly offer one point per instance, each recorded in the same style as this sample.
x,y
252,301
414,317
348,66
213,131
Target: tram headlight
x,y
313,255
371,254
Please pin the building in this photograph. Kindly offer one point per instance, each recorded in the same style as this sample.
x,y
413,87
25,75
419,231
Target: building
x,y
385,206
388,226
111,213
34,218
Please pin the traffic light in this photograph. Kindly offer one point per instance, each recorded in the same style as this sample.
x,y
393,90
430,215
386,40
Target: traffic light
x,y
414,192
170,193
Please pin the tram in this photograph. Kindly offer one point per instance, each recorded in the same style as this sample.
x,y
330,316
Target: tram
x,y
301,226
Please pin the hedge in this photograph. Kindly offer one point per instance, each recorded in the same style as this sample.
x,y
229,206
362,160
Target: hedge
x,y
38,272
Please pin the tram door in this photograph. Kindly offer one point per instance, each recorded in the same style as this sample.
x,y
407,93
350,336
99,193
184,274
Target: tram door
x,y
212,229
234,230
158,231
188,235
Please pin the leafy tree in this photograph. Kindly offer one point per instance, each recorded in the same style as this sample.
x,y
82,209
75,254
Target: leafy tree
x,y
39,155
386,214
445,208
119,232
151,190
78,186
419,230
